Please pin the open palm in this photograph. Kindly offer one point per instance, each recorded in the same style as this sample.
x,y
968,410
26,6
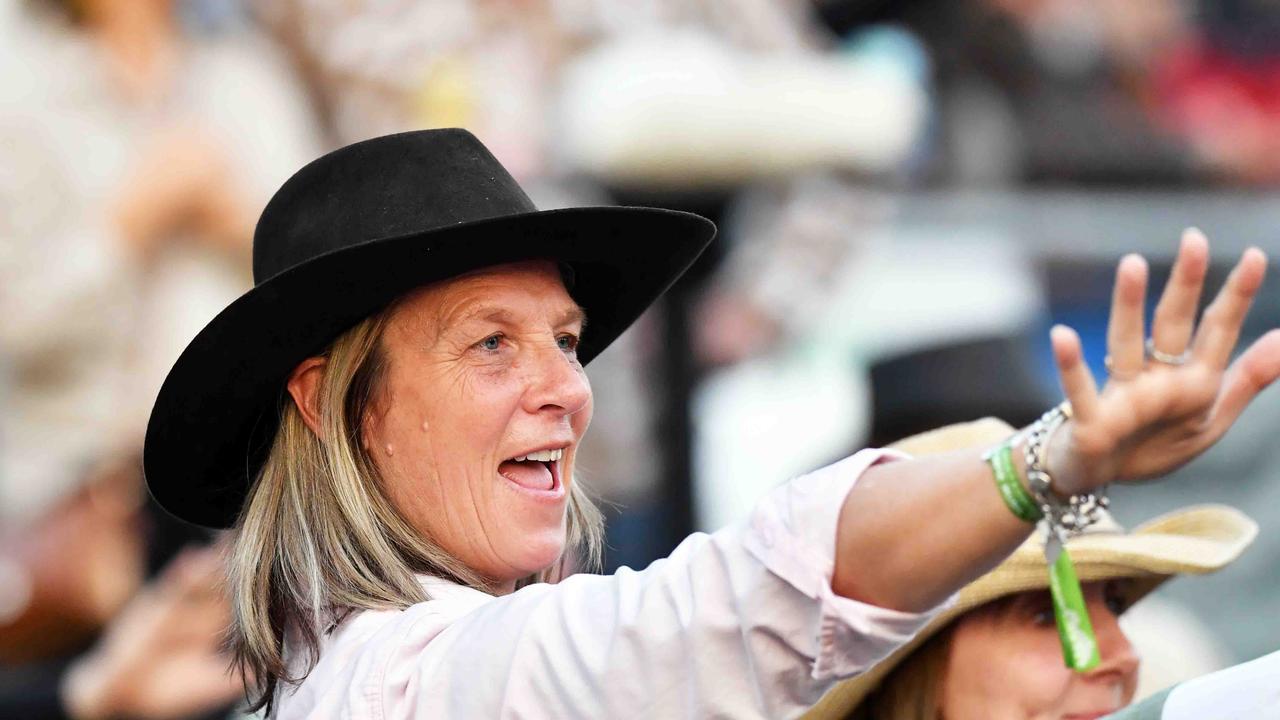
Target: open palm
x,y
162,657
1160,409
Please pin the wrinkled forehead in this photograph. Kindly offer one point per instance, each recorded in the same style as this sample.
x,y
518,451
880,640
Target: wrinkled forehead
x,y
530,288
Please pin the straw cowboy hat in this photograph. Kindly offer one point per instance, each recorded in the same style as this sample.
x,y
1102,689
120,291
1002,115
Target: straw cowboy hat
x,y
1195,540
344,237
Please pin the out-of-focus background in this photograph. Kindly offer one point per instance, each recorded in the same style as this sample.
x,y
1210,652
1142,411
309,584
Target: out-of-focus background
x,y
909,194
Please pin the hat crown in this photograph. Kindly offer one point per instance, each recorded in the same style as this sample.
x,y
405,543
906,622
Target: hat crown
x,y
380,188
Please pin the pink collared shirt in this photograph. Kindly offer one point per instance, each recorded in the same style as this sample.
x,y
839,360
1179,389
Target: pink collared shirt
x,y
741,623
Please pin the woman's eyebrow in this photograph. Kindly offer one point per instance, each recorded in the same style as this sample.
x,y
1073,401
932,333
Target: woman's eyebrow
x,y
574,315
499,314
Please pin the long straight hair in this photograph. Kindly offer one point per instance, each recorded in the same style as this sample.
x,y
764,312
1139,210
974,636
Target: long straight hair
x,y
318,538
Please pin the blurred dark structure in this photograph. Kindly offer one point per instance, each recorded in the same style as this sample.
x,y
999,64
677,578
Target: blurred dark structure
x,y
675,372
947,384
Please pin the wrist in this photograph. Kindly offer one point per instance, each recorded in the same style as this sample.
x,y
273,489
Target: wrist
x,y
1074,500
1012,470
1008,465
1069,476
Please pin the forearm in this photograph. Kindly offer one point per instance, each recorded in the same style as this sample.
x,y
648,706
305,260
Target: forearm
x,y
910,533
913,532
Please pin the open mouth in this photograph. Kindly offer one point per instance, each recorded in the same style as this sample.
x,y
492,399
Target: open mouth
x,y
536,471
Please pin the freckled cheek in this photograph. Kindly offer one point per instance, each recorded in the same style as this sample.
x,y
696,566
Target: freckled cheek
x,y
1045,653
1017,670
1044,678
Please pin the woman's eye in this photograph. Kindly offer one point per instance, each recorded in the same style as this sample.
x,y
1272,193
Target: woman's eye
x,y
1040,609
493,342
1115,602
567,342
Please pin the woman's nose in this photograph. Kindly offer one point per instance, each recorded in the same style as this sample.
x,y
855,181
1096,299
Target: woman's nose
x,y
557,384
1118,658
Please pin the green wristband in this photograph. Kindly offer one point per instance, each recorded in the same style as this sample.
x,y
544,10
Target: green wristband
x,y
1015,496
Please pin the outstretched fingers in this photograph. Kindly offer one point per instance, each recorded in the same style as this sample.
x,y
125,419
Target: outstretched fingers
x,y
1220,326
1125,336
1175,315
1250,374
1077,381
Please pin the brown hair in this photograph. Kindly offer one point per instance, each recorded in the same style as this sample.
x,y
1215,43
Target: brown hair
x,y
913,690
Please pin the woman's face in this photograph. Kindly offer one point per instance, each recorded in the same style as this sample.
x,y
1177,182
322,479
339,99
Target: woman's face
x,y
476,424
1005,663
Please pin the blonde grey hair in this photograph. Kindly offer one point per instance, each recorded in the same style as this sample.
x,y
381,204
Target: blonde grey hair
x,y
318,538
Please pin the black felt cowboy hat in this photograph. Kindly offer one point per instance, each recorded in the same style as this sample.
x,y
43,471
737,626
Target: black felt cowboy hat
x,y
345,236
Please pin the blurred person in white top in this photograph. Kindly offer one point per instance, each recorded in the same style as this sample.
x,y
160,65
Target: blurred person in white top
x,y
137,152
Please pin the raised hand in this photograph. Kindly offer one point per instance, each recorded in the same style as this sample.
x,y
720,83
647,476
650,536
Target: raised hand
x,y
1168,398
162,657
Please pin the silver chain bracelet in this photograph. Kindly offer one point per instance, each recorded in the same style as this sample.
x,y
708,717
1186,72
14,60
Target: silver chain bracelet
x,y
1064,518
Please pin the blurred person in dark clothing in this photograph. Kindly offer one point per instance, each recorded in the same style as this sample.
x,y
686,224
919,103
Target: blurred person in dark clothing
x,y
1044,90
1065,82
1170,92
1219,89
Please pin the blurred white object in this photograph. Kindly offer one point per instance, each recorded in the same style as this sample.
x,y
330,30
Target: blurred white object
x,y
385,66
1242,692
767,420
908,290
1175,645
684,109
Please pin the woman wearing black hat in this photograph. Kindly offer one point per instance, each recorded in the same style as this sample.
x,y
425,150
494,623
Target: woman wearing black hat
x,y
389,421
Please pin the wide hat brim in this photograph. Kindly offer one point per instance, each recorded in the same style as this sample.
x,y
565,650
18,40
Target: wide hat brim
x,y
1191,541
217,411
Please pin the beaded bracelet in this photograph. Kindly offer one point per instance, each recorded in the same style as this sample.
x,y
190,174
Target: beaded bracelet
x,y
1065,518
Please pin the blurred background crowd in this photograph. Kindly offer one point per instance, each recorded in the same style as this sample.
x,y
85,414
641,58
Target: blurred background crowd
x,y
910,192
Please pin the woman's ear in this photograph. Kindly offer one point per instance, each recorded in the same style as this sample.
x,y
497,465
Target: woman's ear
x,y
304,387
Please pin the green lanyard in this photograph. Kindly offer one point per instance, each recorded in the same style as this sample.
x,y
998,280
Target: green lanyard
x,y
1079,646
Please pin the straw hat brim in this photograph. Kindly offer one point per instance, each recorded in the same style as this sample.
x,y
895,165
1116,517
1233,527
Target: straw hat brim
x,y
1191,541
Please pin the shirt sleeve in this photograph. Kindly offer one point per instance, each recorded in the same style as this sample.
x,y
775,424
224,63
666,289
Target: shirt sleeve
x,y
741,623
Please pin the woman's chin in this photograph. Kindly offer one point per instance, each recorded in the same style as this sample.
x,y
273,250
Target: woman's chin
x,y
537,552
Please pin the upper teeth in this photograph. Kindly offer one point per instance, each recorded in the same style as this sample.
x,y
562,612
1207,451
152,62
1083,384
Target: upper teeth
x,y
542,456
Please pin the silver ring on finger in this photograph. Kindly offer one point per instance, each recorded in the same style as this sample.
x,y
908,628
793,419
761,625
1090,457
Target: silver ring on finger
x,y
1164,357
1109,364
